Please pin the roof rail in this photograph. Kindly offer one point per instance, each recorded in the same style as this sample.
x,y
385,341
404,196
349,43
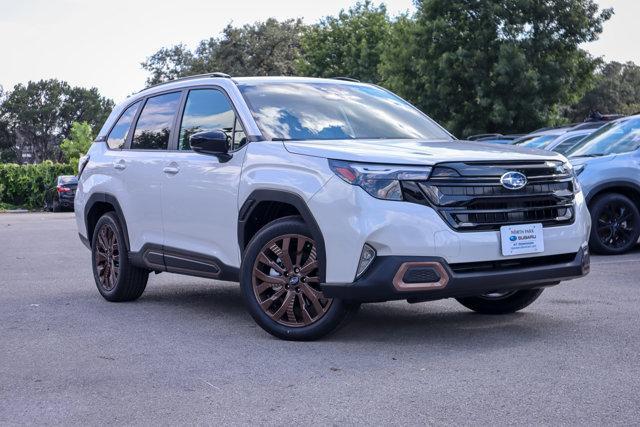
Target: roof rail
x,y
347,79
195,76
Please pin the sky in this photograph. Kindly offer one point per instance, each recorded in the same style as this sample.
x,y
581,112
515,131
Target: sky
x,y
101,43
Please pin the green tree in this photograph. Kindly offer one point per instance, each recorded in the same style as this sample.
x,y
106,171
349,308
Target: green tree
x,y
260,49
493,65
39,116
348,45
78,142
616,91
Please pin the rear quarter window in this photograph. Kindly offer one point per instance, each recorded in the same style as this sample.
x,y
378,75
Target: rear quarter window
x,y
118,134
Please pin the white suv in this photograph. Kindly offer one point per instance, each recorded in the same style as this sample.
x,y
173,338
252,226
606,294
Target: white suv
x,y
318,195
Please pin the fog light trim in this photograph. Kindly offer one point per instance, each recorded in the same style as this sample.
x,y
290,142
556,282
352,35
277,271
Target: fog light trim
x,y
402,286
367,256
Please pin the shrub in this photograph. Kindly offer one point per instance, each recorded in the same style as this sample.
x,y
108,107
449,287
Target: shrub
x,y
25,185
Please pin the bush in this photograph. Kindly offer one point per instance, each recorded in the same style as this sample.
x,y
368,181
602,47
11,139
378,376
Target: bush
x,y
25,185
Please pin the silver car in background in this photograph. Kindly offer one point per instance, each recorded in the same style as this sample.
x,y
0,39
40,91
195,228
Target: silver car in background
x,y
608,167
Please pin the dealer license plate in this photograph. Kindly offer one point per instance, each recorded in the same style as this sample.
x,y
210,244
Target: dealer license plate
x,y
522,239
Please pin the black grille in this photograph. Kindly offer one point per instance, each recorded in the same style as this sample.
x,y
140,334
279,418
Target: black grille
x,y
502,265
421,275
469,196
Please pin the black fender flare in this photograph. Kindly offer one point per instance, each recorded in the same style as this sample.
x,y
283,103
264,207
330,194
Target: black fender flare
x,y
611,184
294,200
113,201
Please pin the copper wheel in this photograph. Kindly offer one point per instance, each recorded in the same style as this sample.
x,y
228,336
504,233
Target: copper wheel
x,y
107,257
286,283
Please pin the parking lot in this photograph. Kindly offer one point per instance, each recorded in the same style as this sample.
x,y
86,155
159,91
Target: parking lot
x,y
187,352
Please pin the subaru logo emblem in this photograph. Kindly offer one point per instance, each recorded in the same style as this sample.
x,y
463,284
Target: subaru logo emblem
x,y
513,180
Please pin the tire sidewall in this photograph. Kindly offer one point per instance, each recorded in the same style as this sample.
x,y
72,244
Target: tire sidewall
x,y
596,210
329,322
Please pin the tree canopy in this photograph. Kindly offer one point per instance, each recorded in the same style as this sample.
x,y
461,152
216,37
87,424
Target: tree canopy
x,y
261,49
78,142
37,116
616,90
348,45
493,65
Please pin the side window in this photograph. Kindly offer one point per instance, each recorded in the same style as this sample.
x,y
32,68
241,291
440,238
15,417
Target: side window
x,y
565,145
154,125
209,109
118,134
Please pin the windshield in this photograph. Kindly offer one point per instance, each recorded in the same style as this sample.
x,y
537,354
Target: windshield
x,y
537,141
612,138
322,110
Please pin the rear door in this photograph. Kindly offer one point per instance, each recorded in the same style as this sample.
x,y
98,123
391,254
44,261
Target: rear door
x,y
143,161
200,192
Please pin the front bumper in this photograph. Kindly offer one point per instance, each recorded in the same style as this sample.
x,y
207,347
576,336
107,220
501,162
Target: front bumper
x,y
384,280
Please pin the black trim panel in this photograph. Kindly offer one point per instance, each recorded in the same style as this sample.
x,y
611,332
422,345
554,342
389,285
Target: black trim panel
x,y
377,283
85,241
110,199
294,200
173,260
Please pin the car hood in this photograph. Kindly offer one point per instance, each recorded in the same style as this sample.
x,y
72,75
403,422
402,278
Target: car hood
x,y
415,152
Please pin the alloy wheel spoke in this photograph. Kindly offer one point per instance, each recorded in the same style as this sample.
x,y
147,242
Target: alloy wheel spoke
x,y
278,280
266,304
286,258
269,263
288,301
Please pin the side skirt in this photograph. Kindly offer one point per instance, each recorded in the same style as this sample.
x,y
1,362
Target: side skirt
x,y
161,258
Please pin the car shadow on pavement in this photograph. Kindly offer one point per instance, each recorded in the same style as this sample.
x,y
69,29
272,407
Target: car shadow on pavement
x,y
394,322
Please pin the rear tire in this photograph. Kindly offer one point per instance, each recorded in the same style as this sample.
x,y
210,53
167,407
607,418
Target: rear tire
x,y
510,302
117,280
280,284
615,224
55,206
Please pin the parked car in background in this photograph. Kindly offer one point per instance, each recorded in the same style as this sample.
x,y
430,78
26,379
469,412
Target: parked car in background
x,y
62,194
540,138
560,139
495,138
607,164
565,142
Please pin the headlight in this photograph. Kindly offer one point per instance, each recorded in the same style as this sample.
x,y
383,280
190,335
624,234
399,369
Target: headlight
x,y
381,181
576,170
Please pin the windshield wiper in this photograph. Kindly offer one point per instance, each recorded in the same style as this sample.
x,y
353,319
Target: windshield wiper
x,y
588,155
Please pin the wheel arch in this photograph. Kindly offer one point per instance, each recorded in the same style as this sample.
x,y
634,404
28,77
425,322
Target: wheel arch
x,y
264,206
99,204
626,188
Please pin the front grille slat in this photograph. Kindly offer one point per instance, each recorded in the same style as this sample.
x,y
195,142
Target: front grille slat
x,y
476,200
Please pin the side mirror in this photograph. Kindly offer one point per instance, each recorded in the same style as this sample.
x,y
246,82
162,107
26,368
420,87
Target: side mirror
x,y
214,142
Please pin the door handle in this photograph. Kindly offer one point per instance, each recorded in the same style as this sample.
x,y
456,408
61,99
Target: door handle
x,y
120,165
172,170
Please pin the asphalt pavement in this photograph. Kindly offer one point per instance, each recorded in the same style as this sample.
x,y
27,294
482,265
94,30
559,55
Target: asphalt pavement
x,y
187,352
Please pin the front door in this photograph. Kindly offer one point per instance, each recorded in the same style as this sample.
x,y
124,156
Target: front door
x,y
200,192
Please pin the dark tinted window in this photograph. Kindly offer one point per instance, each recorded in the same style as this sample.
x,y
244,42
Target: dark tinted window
x,y
308,111
154,125
566,145
67,179
119,133
209,109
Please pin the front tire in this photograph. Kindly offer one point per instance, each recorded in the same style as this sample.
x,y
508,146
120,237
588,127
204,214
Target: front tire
x,y
117,280
615,224
281,287
501,303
